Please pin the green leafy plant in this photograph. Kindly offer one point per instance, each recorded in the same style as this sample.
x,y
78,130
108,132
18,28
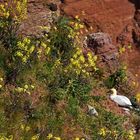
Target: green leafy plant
x,y
116,78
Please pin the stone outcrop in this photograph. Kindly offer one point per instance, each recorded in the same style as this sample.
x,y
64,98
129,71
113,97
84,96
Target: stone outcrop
x,y
136,32
39,14
101,44
131,33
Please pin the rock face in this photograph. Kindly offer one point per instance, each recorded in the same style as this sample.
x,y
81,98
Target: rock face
x,y
101,44
120,19
136,32
39,14
110,16
131,33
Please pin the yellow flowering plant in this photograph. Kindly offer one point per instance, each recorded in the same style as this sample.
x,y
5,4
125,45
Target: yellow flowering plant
x,y
103,132
82,65
12,12
1,83
138,97
28,89
15,10
4,13
24,50
130,135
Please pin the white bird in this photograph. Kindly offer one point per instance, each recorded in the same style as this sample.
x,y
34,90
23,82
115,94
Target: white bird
x,y
121,100
92,111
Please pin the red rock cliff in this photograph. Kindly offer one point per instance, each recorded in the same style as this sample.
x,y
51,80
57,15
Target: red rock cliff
x,y
109,16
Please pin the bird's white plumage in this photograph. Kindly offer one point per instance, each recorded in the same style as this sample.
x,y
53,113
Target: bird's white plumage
x,y
120,99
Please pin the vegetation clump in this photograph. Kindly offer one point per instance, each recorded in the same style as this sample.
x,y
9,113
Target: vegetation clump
x,y
46,83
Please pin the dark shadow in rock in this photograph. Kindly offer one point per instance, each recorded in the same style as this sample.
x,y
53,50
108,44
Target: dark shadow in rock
x,y
136,30
136,2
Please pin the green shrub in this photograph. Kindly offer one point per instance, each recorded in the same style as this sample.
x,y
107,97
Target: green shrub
x,y
116,78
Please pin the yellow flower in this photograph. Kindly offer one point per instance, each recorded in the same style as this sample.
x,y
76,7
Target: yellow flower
x,y
71,23
79,51
28,92
24,90
26,40
55,28
57,138
134,83
129,46
81,26
48,40
95,68
24,59
75,56
39,51
84,71
138,97
7,14
77,17
77,72
131,135
43,45
87,74
122,49
32,49
35,137
102,132
66,70
71,59
82,58
46,35
125,67
0,86
69,36
50,136
27,128
1,79
76,26
86,65
77,33
47,50
77,138
22,126
89,55
95,58
19,89
10,137
32,86
26,86
19,54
